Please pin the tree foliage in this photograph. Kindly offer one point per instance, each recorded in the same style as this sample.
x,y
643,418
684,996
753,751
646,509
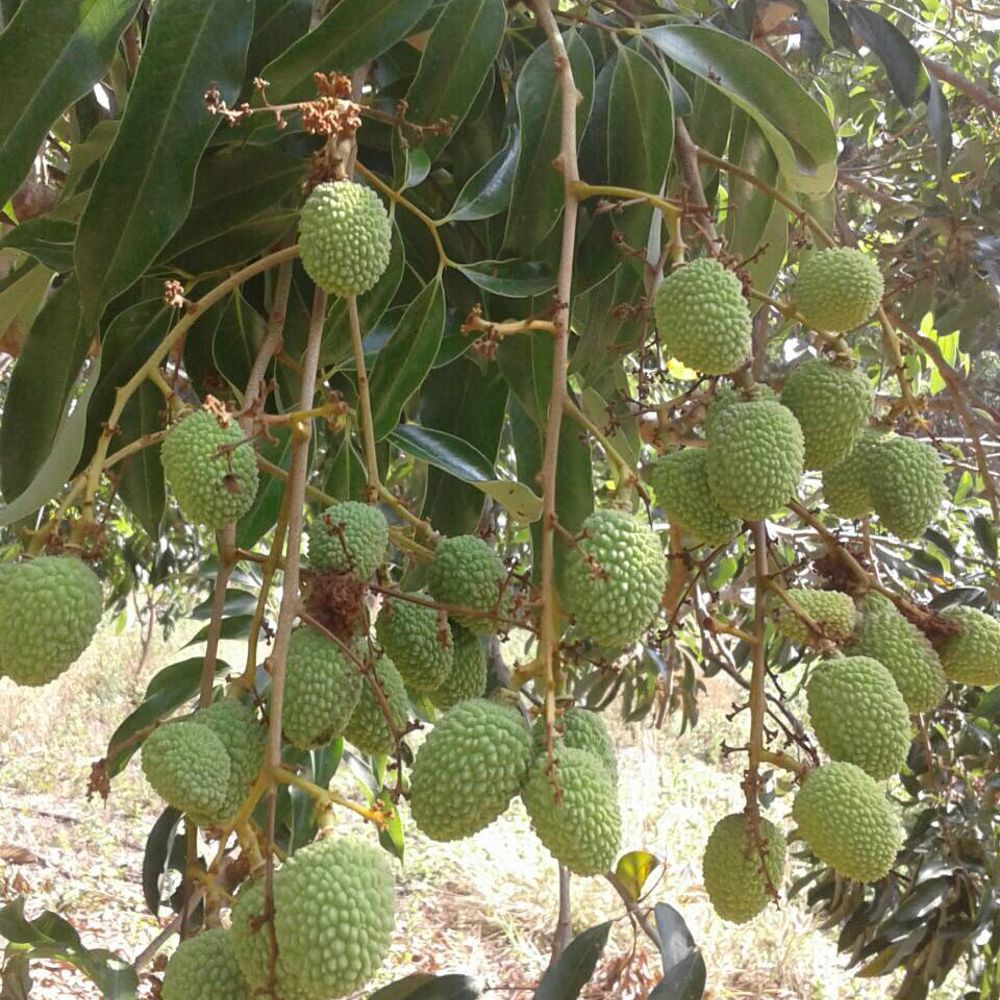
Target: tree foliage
x,y
543,167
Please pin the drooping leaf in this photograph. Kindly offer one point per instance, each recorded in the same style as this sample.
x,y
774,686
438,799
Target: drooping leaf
x,y
457,59
819,14
513,279
50,55
50,936
901,60
684,970
40,388
537,198
143,191
164,850
141,484
939,123
569,975
487,192
405,360
798,129
424,986
640,137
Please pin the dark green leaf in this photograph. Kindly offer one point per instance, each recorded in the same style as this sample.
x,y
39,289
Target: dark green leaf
x,y
640,138
423,986
238,602
237,340
347,479
683,966
798,129
277,25
512,279
526,363
50,936
537,199
141,485
48,240
237,627
264,512
40,388
487,192
749,208
939,122
986,535
405,360
353,33
232,188
159,854
900,58
565,979
458,57
819,14
50,55
143,191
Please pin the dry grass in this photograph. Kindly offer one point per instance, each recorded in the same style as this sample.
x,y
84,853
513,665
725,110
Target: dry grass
x,y
485,906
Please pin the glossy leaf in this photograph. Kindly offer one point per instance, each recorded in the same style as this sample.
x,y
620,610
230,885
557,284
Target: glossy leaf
x,y
513,279
487,192
424,986
50,55
796,126
264,512
353,33
143,191
684,971
640,137
405,360
50,936
277,25
141,485
537,199
900,58
40,388
569,975
237,340
48,240
164,850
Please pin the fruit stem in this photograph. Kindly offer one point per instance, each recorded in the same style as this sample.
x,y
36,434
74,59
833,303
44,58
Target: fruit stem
x,y
625,474
225,539
324,797
364,402
581,191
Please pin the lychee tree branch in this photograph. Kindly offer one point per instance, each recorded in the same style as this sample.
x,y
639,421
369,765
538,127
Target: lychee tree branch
x,y
364,402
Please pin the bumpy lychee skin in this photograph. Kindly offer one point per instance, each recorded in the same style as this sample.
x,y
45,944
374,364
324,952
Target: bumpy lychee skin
x,y
333,920
204,968
581,729
703,318
369,729
742,871
615,578
755,456
972,655
469,671
49,610
210,468
582,829
847,822
243,737
832,404
322,688
837,289
345,237
418,640
188,766
858,714
887,636
467,573
907,485
470,767
680,480
833,611
349,537
846,485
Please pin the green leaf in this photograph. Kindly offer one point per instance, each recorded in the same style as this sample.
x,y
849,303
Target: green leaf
x,y
237,627
40,388
460,459
683,966
511,279
141,485
277,25
526,363
749,208
129,340
237,602
487,192
51,54
796,126
164,850
901,60
143,191
819,14
406,359
48,240
264,512
353,33
50,936
61,460
537,198
22,294
232,188
237,340
346,479
640,137
458,57
565,979
986,534
167,691
424,986
939,123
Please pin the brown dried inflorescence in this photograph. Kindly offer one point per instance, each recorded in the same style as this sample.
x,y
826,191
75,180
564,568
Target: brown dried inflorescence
x,y
335,600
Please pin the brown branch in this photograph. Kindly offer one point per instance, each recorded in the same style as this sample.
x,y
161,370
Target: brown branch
x,y
364,402
973,91
687,155
567,163
226,544
271,344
